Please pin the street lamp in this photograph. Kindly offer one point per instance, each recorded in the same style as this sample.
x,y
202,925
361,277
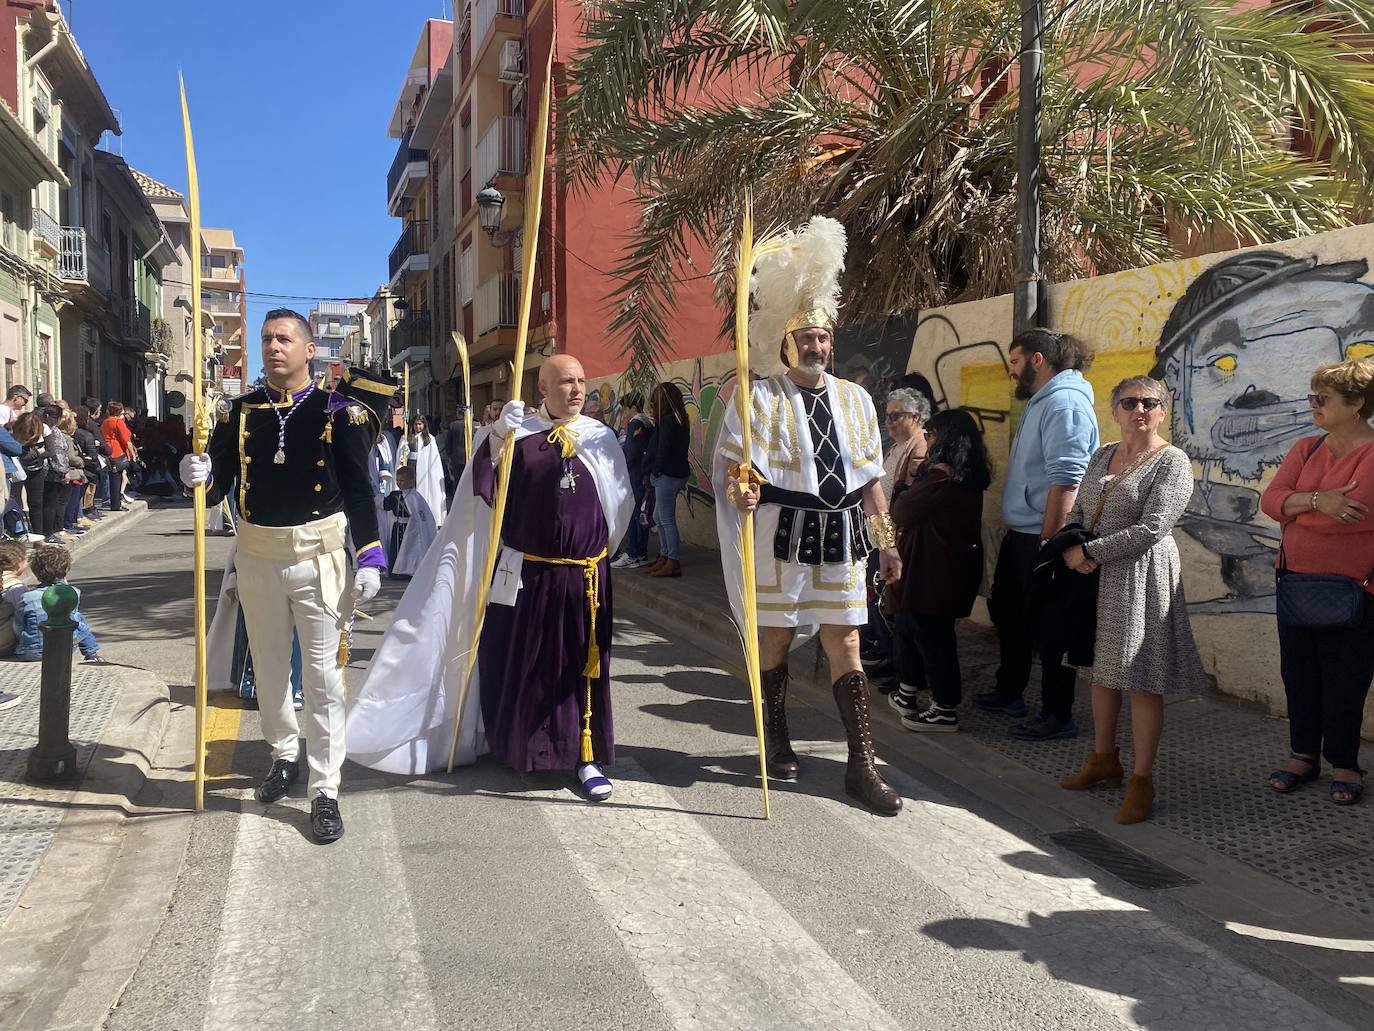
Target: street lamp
x,y
490,203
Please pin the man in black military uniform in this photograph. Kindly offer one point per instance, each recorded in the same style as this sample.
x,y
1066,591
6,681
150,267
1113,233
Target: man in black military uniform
x,y
295,457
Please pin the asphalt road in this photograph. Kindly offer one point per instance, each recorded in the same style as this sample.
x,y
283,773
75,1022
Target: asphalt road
x,y
492,900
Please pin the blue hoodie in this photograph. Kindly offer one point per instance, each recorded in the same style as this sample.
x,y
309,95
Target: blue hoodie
x,y
1057,436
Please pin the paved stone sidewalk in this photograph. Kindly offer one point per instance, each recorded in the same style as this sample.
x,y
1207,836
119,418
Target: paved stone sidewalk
x,y
1210,775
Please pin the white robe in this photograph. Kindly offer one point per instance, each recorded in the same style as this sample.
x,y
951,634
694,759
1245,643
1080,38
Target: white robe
x,y
401,719
790,594
429,473
420,532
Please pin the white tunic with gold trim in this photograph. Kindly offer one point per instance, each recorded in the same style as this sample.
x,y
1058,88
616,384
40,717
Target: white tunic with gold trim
x,y
810,537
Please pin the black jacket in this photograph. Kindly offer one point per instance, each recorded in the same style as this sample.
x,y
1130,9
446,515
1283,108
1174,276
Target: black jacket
x,y
667,455
327,445
1066,601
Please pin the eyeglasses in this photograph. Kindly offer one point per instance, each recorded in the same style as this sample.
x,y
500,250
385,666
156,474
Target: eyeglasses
x,y
1318,400
894,416
1147,403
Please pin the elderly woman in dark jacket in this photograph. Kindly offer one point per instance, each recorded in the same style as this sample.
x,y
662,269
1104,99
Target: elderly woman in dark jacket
x,y
939,517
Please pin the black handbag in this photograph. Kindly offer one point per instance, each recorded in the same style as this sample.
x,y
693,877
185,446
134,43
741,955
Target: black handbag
x,y
1318,601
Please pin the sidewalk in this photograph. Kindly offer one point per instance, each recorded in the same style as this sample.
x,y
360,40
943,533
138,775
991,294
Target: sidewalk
x,y
59,843
1229,846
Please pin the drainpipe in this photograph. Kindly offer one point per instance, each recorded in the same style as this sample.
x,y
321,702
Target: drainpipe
x,y
1029,288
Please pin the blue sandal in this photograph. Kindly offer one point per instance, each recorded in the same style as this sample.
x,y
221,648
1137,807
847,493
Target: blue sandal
x,y
595,785
1288,781
1347,792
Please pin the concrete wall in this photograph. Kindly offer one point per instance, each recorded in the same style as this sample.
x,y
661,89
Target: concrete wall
x,y
1235,337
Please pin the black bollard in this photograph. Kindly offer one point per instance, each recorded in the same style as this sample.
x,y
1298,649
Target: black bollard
x,y
54,757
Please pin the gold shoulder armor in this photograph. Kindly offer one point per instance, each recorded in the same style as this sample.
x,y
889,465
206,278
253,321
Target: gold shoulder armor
x,y
357,414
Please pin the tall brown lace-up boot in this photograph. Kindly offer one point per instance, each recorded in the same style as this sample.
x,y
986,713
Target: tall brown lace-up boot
x,y
782,761
861,779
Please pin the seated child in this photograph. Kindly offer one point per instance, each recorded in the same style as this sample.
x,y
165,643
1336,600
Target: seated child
x,y
51,564
12,565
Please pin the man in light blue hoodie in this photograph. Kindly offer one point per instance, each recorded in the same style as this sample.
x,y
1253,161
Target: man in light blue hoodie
x,y
1056,437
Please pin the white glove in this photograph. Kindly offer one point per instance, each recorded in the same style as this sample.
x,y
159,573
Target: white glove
x,y
511,418
366,583
387,481
195,470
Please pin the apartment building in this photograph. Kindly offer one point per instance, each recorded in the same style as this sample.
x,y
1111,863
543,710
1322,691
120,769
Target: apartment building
x,y
224,295
338,328
463,121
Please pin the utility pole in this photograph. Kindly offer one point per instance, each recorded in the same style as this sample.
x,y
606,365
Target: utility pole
x,y
1028,294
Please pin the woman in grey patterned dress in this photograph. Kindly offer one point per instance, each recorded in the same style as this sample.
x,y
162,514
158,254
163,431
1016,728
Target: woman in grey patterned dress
x,y
1144,641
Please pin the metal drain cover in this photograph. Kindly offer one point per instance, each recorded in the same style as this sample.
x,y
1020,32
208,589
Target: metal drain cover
x,y
1329,852
1135,868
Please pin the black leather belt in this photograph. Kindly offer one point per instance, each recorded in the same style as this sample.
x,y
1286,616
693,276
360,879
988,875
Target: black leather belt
x,y
812,532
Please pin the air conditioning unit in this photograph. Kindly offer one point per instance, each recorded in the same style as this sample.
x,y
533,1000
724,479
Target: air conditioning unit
x,y
512,66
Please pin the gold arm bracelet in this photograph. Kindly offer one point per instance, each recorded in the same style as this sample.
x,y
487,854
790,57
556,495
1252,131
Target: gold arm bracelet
x,y
883,529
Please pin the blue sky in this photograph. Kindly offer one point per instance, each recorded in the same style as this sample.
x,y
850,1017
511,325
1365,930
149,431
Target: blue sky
x,y
289,105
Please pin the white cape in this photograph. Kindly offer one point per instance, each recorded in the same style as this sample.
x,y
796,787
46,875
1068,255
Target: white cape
x,y
420,532
401,719
429,473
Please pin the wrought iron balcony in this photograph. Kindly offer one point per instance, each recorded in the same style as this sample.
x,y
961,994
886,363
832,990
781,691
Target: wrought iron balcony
x,y
413,244
406,155
497,303
411,330
501,150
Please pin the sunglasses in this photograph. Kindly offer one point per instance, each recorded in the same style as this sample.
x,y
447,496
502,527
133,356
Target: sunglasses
x,y
894,416
1318,400
1147,403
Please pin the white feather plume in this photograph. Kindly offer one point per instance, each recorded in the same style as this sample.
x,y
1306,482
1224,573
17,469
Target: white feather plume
x,y
793,272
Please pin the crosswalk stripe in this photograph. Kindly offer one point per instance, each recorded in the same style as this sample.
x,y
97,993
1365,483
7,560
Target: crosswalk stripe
x,y
309,931
716,950
1131,963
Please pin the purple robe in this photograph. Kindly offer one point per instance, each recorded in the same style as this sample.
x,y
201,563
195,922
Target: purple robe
x,y
532,654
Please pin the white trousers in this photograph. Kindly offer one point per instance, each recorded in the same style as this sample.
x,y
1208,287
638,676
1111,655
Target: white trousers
x,y
310,595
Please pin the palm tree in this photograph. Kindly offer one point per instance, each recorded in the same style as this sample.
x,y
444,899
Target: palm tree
x,y
1164,121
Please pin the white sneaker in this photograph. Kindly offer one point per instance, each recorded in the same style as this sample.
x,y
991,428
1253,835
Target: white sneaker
x,y
623,562
636,563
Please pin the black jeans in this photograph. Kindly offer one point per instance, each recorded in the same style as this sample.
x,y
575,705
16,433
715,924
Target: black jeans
x,y
1010,603
33,494
55,495
925,650
117,467
1326,676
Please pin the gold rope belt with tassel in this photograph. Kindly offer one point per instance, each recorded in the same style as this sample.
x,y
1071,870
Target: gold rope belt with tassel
x,y
591,575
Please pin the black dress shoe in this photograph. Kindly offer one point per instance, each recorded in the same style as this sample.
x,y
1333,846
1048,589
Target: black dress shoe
x,y
326,823
279,781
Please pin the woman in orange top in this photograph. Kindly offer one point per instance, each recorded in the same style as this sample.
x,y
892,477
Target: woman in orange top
x,y
115,431
1322,496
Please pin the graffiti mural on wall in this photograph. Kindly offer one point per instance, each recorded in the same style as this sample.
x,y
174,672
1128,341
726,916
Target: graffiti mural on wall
x,y
1237,353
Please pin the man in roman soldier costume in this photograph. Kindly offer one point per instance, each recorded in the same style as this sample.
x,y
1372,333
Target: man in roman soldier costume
x,y
820,509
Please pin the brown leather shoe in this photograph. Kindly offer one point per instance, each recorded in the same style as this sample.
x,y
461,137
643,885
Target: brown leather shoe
x,y
861,779
670,567
654,566
1101,768
782,761
1140,795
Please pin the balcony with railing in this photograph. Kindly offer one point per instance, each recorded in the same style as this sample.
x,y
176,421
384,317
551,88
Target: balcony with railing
x,y
46,232
411,331
497,303
83,260
408,170
411,253
501,150
484,16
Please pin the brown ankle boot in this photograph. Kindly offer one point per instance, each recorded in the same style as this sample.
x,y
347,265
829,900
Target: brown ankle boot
x,y
782,761
1101,768
1140,795
654,566
861,779
670,567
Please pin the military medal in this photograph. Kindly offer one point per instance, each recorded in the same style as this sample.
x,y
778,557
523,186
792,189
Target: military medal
x,y
280,457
